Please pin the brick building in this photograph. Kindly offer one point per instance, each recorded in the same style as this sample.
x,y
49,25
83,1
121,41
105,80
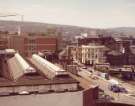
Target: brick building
x,y
28,45
3,43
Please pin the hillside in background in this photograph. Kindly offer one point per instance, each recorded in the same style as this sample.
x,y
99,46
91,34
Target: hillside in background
x,y
65,30
130,31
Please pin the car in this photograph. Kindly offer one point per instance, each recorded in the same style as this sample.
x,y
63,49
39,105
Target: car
x,y
94,77
109,98
133,95
123,90
105,75
117,88
4,93
23,93
114,88
84,67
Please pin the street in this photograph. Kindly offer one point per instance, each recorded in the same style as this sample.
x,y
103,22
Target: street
x,y
118,97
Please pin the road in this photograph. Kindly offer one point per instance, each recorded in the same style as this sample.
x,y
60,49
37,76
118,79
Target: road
x,y
83,82
118,97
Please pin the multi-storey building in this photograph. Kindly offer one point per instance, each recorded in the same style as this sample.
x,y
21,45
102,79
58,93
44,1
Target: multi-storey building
x,y
132,55
86,41
25,76
3,43
27,45
123,52
91,54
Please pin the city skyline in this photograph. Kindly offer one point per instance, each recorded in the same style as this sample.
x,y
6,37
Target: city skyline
x,y
86,13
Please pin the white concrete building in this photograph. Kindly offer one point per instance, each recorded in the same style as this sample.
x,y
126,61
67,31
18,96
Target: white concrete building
x,y
91,54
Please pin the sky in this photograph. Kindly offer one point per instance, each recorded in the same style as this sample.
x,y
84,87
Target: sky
x,y
87,13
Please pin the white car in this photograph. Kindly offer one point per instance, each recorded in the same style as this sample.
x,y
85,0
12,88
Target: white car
x,y
23,93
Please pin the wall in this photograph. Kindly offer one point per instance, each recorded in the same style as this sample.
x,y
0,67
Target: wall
x,y
54,99
90,96
40,88
3,43
79,98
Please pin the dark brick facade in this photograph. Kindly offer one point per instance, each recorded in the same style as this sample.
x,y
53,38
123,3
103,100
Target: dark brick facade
x,y
90,96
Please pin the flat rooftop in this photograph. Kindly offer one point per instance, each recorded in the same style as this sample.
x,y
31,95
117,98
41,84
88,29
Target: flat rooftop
x,y
35,80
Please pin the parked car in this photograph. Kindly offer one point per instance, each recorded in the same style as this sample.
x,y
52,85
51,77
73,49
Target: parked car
x,y
23,93
133,95
117,88
94,77
84,67
114,88
4,93
105,75
113,85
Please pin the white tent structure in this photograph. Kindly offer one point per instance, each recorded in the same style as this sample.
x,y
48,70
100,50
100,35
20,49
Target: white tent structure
x,y
25,67
48,68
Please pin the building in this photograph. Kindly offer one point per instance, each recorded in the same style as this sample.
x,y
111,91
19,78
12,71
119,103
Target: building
x,y
132,55
86,41
27,45
18,74
108,41
122,45
34,88
78,98
4,55
116,58
67,56
87,54
3,43
122,53
91,54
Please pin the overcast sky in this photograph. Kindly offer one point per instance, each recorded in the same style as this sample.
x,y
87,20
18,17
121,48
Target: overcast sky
x,y
88,13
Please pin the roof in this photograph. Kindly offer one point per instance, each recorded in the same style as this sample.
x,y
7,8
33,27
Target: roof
x,y
35,36
20,79
114,52
44,70
7,51
117,39
24,65
93,36
12,51
45,63
132,48
35,80
113,81
14,69
63,53
93,46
